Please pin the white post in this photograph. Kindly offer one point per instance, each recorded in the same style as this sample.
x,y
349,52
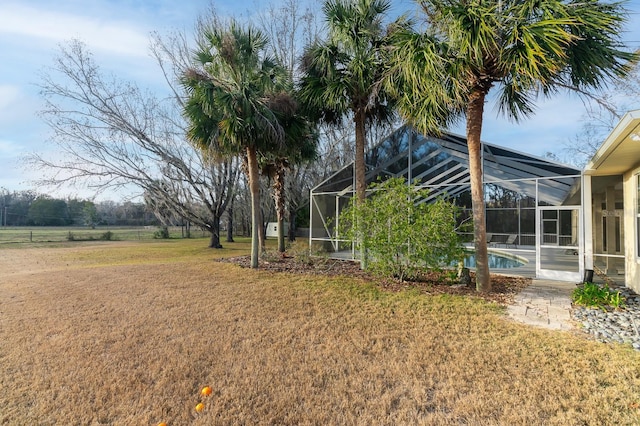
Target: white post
x,y
538,231
310,218
519,223
336,243
587,222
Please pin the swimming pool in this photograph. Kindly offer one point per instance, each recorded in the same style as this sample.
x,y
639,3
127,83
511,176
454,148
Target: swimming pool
x,y
496,260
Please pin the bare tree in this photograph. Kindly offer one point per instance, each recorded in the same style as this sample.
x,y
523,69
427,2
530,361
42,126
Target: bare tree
x,y
603,111
290,26
111,134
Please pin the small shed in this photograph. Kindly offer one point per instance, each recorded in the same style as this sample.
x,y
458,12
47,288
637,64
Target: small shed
x,y
272,229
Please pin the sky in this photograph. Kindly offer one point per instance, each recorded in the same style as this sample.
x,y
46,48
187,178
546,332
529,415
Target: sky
x,y
117,33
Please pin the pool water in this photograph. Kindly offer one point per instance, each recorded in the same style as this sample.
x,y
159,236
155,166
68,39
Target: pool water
x,y
496,260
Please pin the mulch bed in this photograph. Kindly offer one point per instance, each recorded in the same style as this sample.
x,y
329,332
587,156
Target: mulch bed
x,y
504,287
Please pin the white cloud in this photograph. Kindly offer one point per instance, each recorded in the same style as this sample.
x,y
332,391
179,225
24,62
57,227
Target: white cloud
x,y
17,109
117,37
8,95
8,148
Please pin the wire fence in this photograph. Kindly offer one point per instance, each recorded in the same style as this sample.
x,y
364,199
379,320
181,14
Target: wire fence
x,y
103,233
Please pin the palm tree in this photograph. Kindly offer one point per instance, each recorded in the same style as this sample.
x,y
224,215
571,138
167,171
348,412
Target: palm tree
x,y
300,146
342,74
228,106
522,48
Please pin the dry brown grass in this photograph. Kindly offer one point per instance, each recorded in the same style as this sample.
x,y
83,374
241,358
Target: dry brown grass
x,y
127,334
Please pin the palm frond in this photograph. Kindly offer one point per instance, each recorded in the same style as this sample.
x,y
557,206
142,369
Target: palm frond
x,y
528,47
228,108
428,83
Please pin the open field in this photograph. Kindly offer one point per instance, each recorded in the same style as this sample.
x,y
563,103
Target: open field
x,y
127,333
35,234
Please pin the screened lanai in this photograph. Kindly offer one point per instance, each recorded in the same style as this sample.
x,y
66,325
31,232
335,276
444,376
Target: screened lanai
x,y
532,204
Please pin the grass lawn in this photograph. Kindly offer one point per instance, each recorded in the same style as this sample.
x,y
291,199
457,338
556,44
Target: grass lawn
x,y
34,234
127,333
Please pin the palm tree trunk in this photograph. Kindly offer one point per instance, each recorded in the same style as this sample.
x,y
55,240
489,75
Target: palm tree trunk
x,y
475,110
278,196
254,188
360,176
361,184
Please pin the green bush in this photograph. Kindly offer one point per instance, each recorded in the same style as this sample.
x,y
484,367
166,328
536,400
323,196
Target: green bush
x,y
594,295
107,236
162,233
401,234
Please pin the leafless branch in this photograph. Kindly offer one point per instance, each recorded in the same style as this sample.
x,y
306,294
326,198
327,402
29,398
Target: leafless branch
x,y
111,134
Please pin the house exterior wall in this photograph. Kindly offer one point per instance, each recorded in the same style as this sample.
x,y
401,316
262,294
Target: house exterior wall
x,y
632,257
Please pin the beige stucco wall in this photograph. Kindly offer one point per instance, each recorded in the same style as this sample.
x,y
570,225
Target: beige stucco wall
x,y
632,257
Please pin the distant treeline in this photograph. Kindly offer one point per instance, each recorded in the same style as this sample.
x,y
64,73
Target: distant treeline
x,y
27,208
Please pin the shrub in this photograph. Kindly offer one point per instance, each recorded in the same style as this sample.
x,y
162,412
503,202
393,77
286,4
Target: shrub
x,y
162,233
401,234
594,295
107,236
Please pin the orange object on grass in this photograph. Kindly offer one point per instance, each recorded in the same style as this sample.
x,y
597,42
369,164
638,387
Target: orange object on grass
x,y
206,391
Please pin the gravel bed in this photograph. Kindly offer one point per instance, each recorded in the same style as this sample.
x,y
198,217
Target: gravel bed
x,y
613,325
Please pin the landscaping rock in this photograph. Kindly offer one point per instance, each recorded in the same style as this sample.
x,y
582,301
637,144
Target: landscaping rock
x,y
619,326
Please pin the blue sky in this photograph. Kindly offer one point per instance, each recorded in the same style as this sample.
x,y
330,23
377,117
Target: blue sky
x,y
117,32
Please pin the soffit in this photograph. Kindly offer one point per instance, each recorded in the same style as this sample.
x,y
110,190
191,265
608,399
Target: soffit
x,y
620,152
